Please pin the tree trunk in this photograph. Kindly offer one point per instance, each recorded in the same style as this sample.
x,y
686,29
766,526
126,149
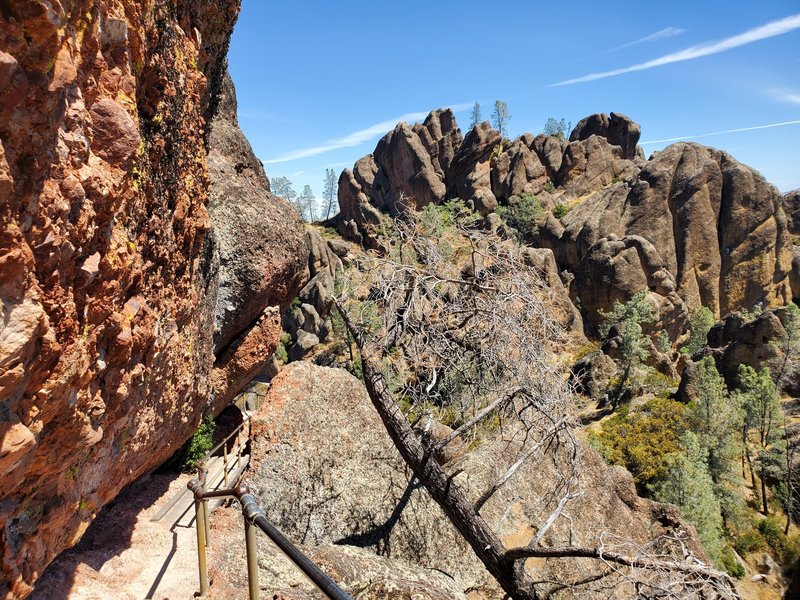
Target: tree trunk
x,y
443,490
764,493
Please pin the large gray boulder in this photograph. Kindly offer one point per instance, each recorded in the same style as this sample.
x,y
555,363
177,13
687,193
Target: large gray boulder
x,y
260,239
326,471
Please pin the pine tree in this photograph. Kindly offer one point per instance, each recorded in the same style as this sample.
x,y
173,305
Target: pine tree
x,y
763,419
308,204
557,128
501,117
701,320
689,486
330,193
789,345
475,117
716,418
628,317
282,186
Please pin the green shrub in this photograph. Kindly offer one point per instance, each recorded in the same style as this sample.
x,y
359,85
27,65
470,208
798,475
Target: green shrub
x,y
729,564
434,219
663,343
196,447
641,439
549,187
748,541
773,534
523,214
560,211
281,354
659,384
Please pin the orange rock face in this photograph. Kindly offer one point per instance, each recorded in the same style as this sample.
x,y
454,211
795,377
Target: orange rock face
x,y
107,293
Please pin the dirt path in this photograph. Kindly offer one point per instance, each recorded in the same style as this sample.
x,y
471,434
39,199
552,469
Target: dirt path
x,y
125,555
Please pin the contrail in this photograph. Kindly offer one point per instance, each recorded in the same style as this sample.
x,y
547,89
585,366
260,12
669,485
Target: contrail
x,y
748,37
702,135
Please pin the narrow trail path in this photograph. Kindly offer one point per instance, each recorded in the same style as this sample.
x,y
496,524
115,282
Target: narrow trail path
x,y
126,555
142,545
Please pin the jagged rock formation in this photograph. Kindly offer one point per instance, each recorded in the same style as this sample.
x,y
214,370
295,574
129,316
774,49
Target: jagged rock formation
x,y
691,224
326,471
108,275
717,226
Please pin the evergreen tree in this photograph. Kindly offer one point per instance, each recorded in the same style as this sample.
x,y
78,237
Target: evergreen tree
x,y
763,420
701,320
628,317
501,117
330,193
716,418
557,128
307,204
689,486
789,345
282,186
475,117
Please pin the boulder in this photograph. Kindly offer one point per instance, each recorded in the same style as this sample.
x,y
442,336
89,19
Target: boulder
x,y
591,374
518,170
262,244
544,262
469,175
735,340
593,164
718,226
303,343
408,177
614,269
791,206
618,129
326,471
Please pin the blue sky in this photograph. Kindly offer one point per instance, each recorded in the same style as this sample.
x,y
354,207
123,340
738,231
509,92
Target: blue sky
x,y
319,82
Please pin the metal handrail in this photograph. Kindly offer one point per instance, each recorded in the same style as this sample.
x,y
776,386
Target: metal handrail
x,y
253,517
235,432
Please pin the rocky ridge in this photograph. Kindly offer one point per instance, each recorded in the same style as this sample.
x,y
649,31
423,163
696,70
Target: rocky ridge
x,y
691,225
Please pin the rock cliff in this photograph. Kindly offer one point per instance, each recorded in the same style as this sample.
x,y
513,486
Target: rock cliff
x,y
691,225
109,264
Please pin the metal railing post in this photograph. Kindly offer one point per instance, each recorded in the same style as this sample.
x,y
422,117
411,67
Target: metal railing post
x,y
252,558
225,463
249,511
206,524
200,522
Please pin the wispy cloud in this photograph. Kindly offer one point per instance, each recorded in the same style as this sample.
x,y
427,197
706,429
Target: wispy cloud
x,y
667,32
358,137
769,30
785,96
298,173
702,135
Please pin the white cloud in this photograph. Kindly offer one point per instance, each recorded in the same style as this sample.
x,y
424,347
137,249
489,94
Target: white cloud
x,y
667,32
298,173
769,30
785,96
702,135
358,137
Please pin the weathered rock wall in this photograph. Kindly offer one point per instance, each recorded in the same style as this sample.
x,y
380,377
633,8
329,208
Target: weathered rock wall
x,y
108,273
691,225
